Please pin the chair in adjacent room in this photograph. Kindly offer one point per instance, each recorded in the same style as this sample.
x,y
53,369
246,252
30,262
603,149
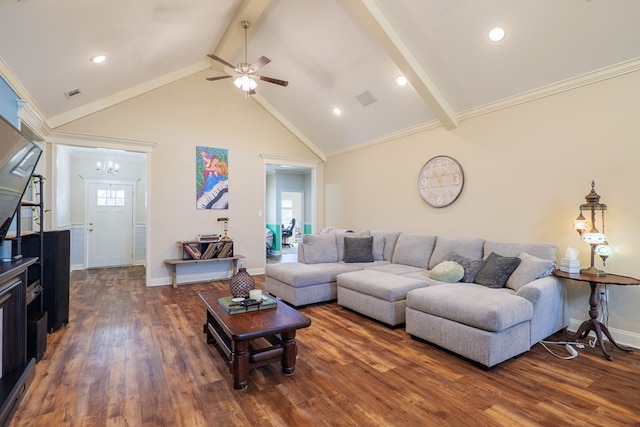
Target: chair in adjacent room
x,y
288,232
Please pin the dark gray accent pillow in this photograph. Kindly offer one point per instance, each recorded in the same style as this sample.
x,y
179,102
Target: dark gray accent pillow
x,y
358,249
471,266
496,270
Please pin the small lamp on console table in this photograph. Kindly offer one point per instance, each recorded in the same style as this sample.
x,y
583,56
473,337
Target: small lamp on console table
x,y
590,234
225,227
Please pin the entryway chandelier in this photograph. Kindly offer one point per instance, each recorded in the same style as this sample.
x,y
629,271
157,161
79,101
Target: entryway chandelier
x,y
107,167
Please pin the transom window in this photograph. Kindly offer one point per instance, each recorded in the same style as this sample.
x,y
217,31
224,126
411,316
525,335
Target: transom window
x,y
110,198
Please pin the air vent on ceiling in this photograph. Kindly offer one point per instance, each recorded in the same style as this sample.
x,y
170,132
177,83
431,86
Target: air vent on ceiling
x,y
72,93
366,98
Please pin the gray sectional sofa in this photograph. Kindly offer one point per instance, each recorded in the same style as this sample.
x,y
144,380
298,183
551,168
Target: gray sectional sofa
x,y
486,301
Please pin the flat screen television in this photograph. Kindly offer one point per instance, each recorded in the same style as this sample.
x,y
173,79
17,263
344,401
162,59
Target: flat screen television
x,y
18,158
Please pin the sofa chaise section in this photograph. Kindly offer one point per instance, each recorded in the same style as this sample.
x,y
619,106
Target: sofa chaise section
x,y
302,284
313,278
489,325
381,296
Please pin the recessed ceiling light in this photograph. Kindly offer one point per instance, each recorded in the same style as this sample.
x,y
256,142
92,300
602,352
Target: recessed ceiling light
x,y
337,111
402,80
98,58
496,34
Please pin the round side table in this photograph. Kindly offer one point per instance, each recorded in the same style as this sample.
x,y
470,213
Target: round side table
x,y
593,324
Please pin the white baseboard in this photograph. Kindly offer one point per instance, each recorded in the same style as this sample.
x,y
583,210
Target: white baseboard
x,y
624,338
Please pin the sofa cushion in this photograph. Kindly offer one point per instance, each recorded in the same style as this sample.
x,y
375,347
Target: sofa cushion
x,y
358,249
447,271
390,238
413,250
378,248
466,246
496,270
530,269
318,248
389,287
470,266
399,269
474,305
540,250
300,275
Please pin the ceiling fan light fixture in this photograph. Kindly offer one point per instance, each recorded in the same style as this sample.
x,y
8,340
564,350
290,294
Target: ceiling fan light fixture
x,y
245,82
246,77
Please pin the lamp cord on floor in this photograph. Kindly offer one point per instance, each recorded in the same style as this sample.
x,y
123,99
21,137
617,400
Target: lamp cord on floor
x,y
573,353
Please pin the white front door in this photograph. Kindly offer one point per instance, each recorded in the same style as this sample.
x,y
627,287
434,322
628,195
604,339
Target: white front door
x,y
109,225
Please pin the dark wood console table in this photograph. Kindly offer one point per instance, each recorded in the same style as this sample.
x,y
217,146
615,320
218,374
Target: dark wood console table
x,y
593,324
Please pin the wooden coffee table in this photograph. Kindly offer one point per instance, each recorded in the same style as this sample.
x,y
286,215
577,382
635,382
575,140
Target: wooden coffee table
x,y
253,339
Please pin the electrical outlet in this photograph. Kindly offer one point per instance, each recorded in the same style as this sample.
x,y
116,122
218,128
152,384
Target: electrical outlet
x,y
603,295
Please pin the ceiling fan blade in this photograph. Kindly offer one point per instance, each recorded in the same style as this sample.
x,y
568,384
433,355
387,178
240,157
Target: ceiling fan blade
x,y
261,62
220,60
218,78
272,80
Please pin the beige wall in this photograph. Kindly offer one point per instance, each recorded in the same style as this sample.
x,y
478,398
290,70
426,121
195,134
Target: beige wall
x,y
527,170
179,117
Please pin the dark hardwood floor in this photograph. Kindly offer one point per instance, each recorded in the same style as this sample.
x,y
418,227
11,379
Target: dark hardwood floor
x,y
137,356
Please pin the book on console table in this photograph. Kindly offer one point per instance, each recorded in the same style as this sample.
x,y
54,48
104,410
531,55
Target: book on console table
x,y
234,307
192,250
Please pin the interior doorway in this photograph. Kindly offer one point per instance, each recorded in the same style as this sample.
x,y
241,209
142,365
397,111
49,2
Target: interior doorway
x,y
290,189
121,234
292,208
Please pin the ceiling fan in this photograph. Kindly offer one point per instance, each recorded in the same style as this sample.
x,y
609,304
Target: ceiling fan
x,y
245,76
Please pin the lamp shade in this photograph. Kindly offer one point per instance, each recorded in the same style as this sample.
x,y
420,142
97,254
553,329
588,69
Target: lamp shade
x,y
594,238
604,250
580,224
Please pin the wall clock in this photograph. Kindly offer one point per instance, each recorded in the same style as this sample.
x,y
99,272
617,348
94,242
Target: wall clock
x,y
440,181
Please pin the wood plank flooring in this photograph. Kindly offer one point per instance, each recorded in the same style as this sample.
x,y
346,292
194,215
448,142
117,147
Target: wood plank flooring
x,y
137,356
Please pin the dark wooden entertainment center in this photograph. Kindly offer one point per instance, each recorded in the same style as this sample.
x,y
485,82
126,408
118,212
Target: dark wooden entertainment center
x,y
17,372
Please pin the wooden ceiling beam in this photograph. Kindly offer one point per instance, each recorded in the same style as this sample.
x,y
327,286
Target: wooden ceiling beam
x,y
232,40
385,33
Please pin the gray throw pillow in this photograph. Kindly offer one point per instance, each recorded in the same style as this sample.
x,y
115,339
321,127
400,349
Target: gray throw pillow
x,y
530,269
447,271
471,266
496,270
358,249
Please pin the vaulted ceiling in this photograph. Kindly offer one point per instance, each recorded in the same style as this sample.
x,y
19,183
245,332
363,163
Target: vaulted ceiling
x,y
334,53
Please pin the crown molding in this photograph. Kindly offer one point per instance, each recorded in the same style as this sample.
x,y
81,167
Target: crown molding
x,y
290,161
109,101
389,137
97,141
287,124
28,110
586,79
